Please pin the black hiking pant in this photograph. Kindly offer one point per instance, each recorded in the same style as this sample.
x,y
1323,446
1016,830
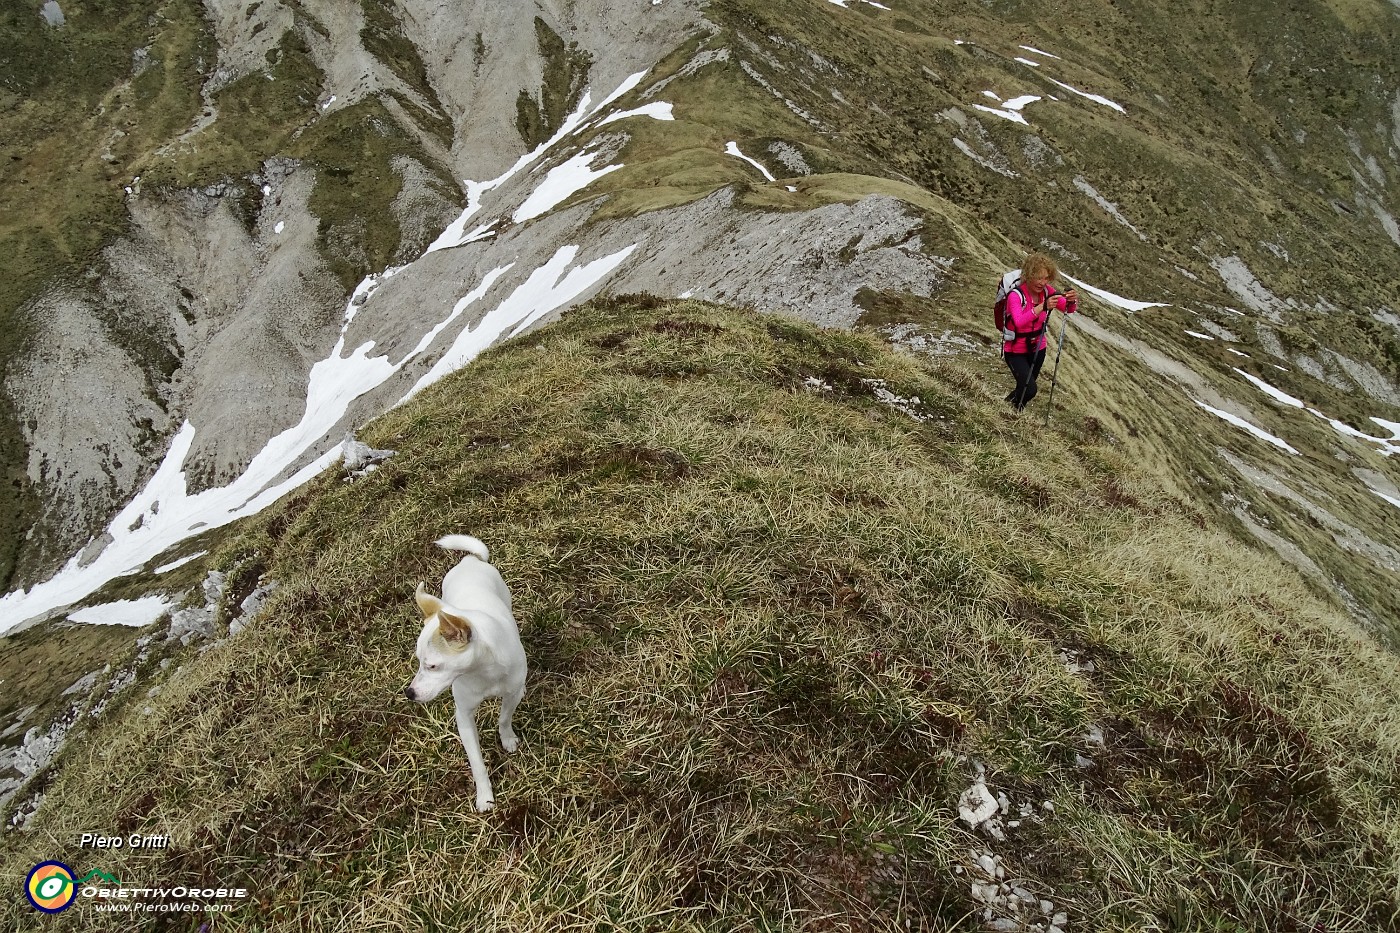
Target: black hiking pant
x,y
1025,367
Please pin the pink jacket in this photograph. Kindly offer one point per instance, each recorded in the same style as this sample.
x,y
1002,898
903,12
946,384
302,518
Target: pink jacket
x,y
1023,317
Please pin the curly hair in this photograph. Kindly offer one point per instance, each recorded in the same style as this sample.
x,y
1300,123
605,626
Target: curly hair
x,y
1039,262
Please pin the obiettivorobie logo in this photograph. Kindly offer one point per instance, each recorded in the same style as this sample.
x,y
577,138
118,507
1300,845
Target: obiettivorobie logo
x,y
52,888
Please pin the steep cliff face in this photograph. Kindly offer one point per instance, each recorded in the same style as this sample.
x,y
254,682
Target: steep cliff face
x,y
322,182
194,316
239,235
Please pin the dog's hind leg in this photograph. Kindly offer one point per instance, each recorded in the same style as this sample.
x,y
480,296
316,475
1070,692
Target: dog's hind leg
x,y
509,741
466,728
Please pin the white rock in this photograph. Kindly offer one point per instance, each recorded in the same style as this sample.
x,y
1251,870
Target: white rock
x,y
986,893
254,602
358,456
977,805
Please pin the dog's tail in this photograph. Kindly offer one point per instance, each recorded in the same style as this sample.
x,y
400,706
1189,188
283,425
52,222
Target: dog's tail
x,y
466,543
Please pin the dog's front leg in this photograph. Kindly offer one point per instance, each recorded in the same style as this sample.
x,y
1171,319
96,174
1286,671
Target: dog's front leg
x,y
466,728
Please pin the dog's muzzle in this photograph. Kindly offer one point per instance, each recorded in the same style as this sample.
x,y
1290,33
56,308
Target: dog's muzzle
x,y
408,692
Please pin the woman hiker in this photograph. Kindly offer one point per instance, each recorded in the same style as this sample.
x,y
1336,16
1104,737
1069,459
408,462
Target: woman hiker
x,y
1028,309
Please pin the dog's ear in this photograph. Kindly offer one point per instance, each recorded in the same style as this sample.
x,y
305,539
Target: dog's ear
x,y
453,627
427,604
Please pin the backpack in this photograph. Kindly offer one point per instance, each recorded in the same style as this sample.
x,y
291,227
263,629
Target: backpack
x,y
1011,282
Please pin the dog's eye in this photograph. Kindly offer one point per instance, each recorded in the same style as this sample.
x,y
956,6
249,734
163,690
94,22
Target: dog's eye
x,y
431,667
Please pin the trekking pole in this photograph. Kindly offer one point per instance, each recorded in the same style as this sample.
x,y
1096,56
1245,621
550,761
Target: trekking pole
x,y
1050,403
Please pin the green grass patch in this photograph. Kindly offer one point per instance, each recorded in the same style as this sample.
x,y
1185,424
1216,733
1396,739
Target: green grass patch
x,y
352,150
257,117
384,38
565,75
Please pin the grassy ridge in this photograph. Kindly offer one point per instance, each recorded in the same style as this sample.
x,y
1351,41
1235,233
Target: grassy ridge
x,y
772,620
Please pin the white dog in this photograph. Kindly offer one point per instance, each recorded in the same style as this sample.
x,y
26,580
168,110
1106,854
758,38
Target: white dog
x,y
470,640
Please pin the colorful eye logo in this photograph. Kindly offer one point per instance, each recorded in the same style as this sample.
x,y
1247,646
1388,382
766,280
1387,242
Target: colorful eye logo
x,y
50,887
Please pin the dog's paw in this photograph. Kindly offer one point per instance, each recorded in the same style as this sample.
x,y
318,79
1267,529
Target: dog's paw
x,y
510,741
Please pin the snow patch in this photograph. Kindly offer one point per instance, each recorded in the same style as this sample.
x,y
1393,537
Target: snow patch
x,y
137,613
546,289
561,182
1094,97
1118,301
1004,114
657,111
732,148
166,568
1270,391
164,513
455,234
1241,423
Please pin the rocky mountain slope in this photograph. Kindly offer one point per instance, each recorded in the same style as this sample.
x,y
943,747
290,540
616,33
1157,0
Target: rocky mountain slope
x,y
232,233
250,165
236,172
